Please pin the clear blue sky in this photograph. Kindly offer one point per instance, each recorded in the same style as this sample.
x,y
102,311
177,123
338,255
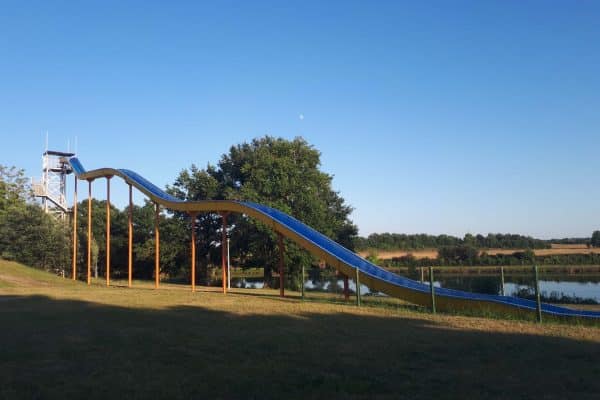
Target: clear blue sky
x,y
446,117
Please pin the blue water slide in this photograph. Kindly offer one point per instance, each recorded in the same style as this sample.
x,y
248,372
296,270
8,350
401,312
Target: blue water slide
x,y
340,257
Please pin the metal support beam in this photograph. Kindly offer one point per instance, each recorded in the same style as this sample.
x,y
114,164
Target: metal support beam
x,y
130,238
75,229
89,234
108,230
193,266
281,265
224,251
156,246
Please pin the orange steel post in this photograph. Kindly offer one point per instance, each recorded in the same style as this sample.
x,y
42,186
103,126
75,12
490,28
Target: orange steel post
x,y
89,234
157,246
108,230
193,252
224,251
130,239
346,291
281,265
75,230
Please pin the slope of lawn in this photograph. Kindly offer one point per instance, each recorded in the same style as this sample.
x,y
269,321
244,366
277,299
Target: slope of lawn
x,y
63,339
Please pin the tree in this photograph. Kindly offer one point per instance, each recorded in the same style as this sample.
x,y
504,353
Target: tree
x,y
458,255
595,241
279,173
27,234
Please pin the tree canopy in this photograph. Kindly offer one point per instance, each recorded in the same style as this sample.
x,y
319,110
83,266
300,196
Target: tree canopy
x,y
27,234
276,172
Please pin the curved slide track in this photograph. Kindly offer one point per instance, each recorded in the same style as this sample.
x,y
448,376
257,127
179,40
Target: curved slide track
x,y
346,261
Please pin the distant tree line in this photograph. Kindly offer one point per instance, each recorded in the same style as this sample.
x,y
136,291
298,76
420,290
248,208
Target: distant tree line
x,y
573,241
470,256
593,241
400,241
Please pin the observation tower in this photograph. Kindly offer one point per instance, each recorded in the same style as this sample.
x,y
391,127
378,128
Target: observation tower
x,y
52,188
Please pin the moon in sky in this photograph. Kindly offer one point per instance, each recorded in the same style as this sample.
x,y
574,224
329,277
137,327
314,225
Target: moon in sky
x,y
301,116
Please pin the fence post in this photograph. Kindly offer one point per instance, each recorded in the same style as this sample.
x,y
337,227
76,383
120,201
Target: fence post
x,y
432,289
303,279
537,294
357,288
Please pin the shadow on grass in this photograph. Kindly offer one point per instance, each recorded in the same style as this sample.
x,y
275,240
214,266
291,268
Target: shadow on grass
x,y
72,349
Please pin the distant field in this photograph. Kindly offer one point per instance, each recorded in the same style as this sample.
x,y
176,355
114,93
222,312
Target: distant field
x,y
432,253
64,340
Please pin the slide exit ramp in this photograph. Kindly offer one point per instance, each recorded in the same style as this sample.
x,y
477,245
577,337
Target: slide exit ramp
x,y
336,255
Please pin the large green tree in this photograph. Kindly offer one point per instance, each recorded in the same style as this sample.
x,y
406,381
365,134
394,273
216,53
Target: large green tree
x,y
27,234
284,174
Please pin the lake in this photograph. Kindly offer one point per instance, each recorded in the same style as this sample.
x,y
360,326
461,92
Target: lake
x,y
569,288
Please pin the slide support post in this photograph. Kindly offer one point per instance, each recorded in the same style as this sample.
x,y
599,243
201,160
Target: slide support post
x,y
89,234
281,265
75,229
130,238
228,265
108,230
156,246
224,251
193,216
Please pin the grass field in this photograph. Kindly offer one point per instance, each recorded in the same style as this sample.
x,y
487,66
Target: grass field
x,y
63,339
432,253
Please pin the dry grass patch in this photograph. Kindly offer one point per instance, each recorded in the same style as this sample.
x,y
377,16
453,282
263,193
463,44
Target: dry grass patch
x,y
433,253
